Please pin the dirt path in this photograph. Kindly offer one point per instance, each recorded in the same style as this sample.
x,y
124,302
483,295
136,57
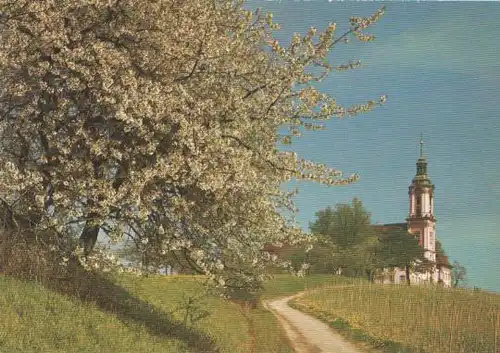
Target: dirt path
x,y
306,333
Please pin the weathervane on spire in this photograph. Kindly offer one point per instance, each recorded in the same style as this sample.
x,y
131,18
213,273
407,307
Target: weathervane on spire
x,y
421,145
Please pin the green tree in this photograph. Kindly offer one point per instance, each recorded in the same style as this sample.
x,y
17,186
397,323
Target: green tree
x,y
458,274
439,249
140,256
369,257
320,256
346,232
397,248
345,226
159,119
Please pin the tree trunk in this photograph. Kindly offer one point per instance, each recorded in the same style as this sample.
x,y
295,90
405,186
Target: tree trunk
x,y
369,274
88,238
407,269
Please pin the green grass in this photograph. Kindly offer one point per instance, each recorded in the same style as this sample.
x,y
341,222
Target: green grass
x,y
140,314
34,319
401,319
225,323
231,325
283,285
136,315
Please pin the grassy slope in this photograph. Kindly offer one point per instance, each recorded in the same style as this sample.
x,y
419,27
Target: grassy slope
x,y
411,319
226,323
35,319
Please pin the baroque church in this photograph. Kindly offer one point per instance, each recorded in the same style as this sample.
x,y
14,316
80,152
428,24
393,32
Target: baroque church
x,y
421,221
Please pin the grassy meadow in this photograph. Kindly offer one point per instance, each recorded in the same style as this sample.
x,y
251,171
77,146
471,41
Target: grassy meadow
x,y
177,314
141,314
283,285
34,319
397,318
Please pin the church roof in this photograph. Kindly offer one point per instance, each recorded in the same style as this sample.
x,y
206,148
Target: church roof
x,y
442,261
389,226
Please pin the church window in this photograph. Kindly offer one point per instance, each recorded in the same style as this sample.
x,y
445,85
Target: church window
x,y
418,235
419,206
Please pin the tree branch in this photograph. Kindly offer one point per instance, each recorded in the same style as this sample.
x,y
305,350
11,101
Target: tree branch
x,y
272,164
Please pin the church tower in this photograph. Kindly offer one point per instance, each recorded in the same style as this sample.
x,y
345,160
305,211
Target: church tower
x,y
421,214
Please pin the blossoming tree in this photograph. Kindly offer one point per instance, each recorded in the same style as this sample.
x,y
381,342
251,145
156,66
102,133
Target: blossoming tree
x,y
159,120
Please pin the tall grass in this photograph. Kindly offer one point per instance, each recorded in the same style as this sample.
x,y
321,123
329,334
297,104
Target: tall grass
x,y
34,319
429,319
184,297
124,313
132,314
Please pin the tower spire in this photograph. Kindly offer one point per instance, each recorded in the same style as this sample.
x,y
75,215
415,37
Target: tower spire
x,y
421,145
422,162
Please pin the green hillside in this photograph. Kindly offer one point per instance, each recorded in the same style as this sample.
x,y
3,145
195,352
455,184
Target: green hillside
x,y
149,316
397,318
141,314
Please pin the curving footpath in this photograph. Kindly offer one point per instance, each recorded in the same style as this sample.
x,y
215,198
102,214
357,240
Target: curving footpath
x,y
306,333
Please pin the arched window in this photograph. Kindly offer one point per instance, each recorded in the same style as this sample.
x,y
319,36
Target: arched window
x,y
418,208
418,235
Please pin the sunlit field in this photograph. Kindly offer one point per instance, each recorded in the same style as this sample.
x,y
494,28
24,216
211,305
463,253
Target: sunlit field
x,y
174,314
422,319
151,315
282,285
34,319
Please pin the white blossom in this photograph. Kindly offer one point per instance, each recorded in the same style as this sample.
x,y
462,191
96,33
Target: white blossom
x,y
162,122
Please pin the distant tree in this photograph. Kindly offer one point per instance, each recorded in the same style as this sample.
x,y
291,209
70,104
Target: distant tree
x,y
439,249
345,229
345,226
371,260
441,253
322,260
140,256
295,255
317,254
397,248
441,259
458,274
337,259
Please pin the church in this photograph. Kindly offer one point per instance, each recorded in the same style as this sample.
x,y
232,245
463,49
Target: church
x,y
421,221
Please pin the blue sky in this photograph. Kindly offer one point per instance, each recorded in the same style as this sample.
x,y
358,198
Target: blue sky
x,y
439,65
